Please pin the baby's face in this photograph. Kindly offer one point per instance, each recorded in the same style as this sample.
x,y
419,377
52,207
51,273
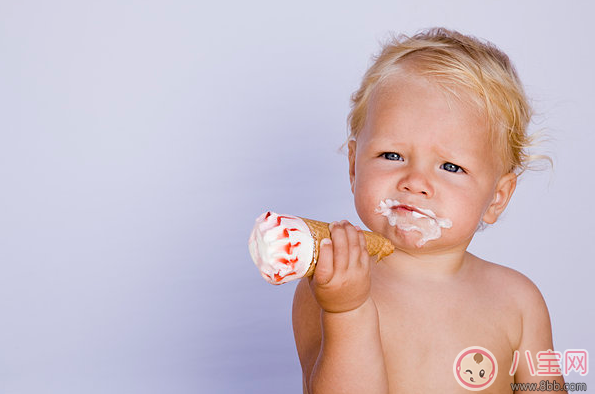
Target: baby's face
x,y
427,149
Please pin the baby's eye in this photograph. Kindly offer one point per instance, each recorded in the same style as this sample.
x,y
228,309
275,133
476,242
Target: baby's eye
x,y
392,156
451,167
482,373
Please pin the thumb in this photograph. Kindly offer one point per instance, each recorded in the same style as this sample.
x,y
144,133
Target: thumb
x,y
324,267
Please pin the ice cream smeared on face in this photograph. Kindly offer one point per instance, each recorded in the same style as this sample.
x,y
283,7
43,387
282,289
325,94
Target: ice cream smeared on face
x,y
411,218
281,246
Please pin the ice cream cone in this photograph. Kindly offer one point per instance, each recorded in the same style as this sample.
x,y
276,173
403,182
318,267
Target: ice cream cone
x,y
376,244
286,247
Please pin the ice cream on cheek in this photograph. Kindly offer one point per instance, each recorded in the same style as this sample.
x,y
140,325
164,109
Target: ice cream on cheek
x,y
411,218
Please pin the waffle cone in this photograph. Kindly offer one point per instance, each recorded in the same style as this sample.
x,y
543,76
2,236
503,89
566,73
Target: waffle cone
x,y
376,244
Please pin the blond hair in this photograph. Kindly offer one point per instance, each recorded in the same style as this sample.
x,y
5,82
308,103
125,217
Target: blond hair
x,y
456,60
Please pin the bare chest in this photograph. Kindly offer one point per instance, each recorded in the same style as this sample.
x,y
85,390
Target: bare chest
x,y
424,331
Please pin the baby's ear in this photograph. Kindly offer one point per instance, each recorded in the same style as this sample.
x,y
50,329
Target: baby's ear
x,y
504,189
352,146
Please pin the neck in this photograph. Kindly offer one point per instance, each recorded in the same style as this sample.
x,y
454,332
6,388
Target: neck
x,y
438,265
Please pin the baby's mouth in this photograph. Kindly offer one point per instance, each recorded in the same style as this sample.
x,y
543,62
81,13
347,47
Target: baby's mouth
x,y
395,207
407,208
406,217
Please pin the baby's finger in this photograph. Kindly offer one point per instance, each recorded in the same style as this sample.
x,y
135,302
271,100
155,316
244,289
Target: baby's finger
x,y
354,244
323,272
340,248
364,257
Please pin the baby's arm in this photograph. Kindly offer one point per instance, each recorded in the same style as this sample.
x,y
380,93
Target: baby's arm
x,y
536,334
336,322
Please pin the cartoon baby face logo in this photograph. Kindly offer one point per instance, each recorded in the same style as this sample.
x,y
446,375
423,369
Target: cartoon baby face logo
x,y
475,368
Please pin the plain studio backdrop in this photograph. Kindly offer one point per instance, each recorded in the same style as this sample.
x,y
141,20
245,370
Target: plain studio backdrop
x,y
139,140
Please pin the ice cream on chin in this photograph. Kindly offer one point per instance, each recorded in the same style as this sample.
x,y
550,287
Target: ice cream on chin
x,y
286,247
412,218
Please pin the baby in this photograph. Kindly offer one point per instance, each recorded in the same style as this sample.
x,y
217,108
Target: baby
x,y
438,138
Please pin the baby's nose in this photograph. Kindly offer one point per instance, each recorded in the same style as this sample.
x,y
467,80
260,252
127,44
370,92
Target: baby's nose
x,y
417,183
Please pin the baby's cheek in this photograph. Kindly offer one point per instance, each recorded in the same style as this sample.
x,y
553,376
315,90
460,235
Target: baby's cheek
x,y
365,204
362,206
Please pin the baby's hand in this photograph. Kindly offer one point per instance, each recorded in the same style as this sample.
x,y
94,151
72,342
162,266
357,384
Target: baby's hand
x,y
341,280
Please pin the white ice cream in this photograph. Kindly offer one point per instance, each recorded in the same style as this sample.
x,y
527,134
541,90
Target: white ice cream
x,y
426,222
281,246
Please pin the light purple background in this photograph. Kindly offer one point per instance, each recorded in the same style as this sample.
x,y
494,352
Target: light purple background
x,y
140,139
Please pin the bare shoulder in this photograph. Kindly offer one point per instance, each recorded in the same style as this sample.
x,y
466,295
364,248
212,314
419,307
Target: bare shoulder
x,y
306,326
521,301
517,285
523,298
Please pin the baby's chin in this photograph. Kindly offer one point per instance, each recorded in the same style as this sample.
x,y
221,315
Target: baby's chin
x,y
411,242
408,235
404,240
